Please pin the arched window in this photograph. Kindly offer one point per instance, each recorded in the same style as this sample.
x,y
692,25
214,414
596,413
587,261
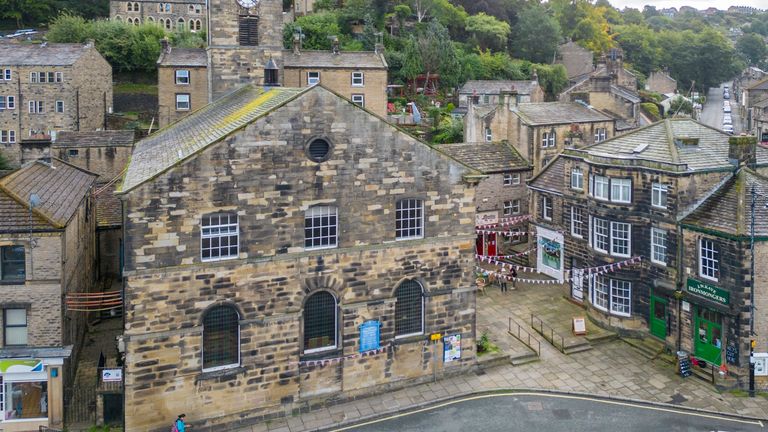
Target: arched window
x,y
129,7
150,19
168,24
409,309
198,25
136,21
118,18
221,338
180,24
320,322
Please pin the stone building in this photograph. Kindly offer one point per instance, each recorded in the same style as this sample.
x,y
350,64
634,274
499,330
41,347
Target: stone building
x,y
602,208
490,92
46,252
754,95
661,82
501,194
578,61
47,88
539,131
182,82
168,14
601,91
291,248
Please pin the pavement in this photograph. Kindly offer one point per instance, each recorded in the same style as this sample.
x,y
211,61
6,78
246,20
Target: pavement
x,y
610,368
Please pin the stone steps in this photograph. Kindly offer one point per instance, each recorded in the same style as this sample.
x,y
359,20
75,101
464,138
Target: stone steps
x,y
649,348
522,359
577,348
601,338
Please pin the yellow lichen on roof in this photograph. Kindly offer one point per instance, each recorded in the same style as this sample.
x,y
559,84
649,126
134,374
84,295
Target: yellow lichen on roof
x,y
248,108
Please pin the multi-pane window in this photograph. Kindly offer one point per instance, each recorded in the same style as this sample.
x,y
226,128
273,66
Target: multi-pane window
x,y
577,222
313,78
621,190
658,246
621,297
36,107
621,238
59,106
548,139
12,263
488,135
601,234
33,77
600,293
164,8
546,207
182,102
659,195
7,136
511,207
511,179
6,74
601,187
359,100
59,77
219,236
221,338
15,327
320,322
357,79
709,264
600,134
321,227
182,77
577,179
7,102
409,309
180,24
409,219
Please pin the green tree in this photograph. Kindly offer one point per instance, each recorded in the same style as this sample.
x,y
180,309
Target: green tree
x,y
632,16
26,12
449,130
488,32
752,49
680,105
430,52
317,29
640,46
537,35
68,28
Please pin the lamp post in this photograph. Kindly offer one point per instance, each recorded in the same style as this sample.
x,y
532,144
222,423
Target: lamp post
x,y
34,201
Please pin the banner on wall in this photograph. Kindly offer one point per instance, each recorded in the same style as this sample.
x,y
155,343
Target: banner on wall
x,y
550,253
451,348
20,366
370,335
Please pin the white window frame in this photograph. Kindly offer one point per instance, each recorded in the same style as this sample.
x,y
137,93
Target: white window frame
x,y
358,79
10,102
577,179
598,234
626,229
179,75
620,290
658,246
710,263
511,207
59,77
600,285
621,190
11,379
488,135
412,204
313,77
580,223
7,136
319,212
659,195
7,75
547,208
6,326
548,139
59,106
36,107
189,104
359,99
601,134
33,77
603,184
222,230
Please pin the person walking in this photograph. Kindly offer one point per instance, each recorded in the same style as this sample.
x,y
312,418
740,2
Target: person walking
x,y
179,425
502,281
513,273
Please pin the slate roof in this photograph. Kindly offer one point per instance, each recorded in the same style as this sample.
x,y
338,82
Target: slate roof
x,y
327,59
105,138
551,178
495,87
485,157
211,123
760,85
183,57
727,210
60,186
52,54
108,208
546,113
624,93
660,142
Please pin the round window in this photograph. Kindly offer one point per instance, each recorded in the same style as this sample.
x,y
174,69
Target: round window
x,y
319,150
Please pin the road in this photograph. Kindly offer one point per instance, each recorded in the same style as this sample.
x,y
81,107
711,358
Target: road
x,y
552,413
712,112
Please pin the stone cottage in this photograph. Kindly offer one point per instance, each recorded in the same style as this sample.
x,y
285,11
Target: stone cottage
x,y
47,251
169,15
284,247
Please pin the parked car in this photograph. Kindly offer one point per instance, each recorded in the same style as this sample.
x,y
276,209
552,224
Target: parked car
x,y
22,33
727,119
726,95
727,109
728,128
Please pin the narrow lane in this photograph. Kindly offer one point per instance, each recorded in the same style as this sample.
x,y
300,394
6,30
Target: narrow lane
x,y
712,111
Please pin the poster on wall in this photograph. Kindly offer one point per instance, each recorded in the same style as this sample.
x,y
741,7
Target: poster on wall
x,y
451,348
369,335
550,253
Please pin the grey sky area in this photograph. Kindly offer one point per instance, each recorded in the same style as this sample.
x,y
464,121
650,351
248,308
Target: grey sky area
x,y
698,4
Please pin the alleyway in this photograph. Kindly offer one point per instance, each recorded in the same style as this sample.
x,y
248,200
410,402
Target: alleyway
x,y
612,368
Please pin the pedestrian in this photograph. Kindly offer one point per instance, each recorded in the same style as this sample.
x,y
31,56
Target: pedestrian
x,y
179,425
514,276
502,282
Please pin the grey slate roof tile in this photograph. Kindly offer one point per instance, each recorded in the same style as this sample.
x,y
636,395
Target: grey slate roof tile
x,y
494,87
183,57
327,59
545,113
552,177
52,54
485,157
106,138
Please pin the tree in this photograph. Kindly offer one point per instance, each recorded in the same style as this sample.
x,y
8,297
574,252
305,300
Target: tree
x,y
488,32
752,49
680,105
593,32
632,16
26,11
537,35
430,52
316,28
640,46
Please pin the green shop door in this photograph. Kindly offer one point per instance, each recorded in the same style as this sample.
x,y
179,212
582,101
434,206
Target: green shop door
x,y
709,336
658,322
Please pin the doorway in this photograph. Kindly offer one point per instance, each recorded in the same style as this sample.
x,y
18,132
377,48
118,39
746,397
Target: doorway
x,y
658,321
708,335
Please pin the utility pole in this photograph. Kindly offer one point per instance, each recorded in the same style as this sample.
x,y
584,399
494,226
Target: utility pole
x,y
752,295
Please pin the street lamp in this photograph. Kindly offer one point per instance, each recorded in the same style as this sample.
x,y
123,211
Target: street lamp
x,y
34,201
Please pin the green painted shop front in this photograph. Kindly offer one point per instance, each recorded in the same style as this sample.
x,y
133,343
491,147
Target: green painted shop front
x,y
708,323
658,321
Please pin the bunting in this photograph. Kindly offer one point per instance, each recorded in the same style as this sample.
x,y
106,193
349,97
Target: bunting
x,y
505,222
598,270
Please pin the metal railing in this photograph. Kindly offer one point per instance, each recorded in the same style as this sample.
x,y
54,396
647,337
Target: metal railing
x,y
548,333
523,336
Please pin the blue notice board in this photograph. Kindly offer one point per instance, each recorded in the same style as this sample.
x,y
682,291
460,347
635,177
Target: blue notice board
x,y
369,335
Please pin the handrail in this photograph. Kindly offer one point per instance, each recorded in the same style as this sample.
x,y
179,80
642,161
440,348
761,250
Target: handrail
x,y
552,333
528,337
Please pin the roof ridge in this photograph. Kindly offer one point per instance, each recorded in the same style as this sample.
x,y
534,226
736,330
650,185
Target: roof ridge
x,y
671,141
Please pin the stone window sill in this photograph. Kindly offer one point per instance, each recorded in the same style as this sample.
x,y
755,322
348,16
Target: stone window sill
x,y
220,374
411,339
322,355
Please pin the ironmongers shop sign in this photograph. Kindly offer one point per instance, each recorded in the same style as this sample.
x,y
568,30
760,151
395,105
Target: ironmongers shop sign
x,y
708,291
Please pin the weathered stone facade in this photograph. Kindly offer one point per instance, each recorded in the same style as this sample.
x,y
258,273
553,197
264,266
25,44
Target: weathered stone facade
x,y
262,173
169,14
105,153
661,82
182,82
75,93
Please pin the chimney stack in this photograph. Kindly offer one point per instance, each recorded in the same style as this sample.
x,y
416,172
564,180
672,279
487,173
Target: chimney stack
x,y
165,46
742,150
297,43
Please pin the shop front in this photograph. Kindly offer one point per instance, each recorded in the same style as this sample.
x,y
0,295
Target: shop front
x,y
31,393
708,320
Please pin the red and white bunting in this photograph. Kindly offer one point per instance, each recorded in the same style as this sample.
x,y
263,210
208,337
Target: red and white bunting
x,y
600,270
505,222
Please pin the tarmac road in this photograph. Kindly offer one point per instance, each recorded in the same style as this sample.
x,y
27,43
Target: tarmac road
x,y
552,413
712,111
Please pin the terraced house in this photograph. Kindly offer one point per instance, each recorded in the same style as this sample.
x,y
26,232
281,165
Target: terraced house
x,y
50,87
649,194
284,246
168,14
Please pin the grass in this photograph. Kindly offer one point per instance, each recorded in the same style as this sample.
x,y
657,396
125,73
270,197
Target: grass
x,y
135,88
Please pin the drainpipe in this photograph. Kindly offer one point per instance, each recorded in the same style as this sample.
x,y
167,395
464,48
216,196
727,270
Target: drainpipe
x,y
680,270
